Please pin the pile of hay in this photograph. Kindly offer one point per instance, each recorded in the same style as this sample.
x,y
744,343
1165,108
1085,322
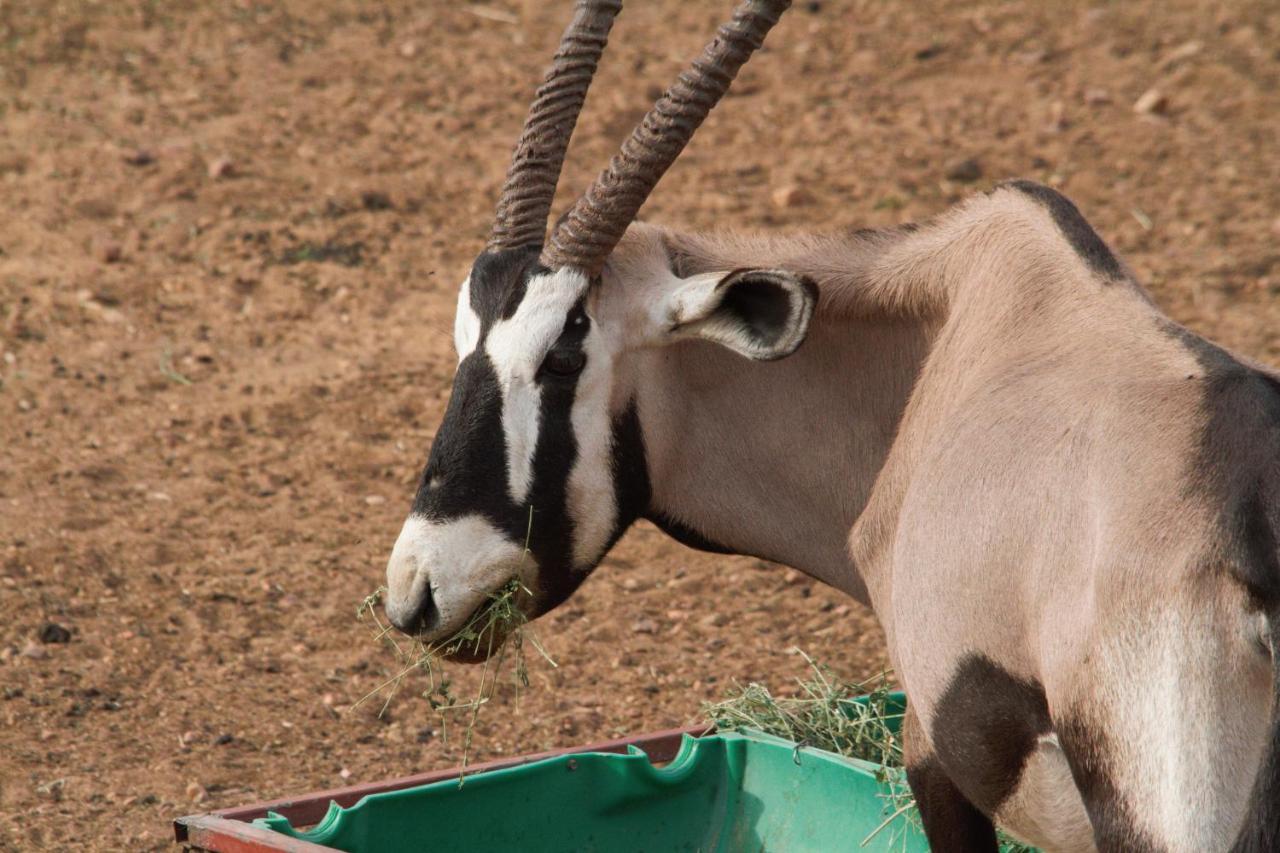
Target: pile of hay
x,y
482,637
822,716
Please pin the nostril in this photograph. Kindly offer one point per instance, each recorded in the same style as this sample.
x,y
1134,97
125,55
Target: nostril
x,y
414,617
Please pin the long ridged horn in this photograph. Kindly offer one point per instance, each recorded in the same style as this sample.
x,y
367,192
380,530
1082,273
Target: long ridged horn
x,y
596,222
525,203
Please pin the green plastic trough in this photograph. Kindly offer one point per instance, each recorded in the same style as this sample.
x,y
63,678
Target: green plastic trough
x,y
727,792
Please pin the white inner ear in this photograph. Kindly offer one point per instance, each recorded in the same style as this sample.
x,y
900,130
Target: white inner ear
x,y
693,310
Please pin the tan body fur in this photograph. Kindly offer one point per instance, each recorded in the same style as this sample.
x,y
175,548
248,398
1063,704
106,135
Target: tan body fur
x,y
996,446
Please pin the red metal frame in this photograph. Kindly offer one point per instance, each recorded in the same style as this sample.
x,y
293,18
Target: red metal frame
x,y
230,830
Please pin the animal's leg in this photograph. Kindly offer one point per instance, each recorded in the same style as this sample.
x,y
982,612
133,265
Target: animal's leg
x,y
951,822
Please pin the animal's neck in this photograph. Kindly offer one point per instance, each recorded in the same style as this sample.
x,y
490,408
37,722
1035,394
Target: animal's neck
x,y
778,459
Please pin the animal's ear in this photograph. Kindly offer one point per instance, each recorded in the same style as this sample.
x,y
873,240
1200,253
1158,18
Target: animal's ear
x,y
761,314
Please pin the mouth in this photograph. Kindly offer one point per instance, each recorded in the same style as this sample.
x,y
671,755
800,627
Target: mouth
x,y
487,628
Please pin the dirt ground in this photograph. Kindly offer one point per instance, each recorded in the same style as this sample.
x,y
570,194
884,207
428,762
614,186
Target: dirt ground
x,y
229,248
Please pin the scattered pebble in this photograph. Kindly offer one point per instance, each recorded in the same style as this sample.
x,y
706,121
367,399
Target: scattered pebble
x,y
631,584
1096,97
52,632
344,773
375,200
221,168
138,157
1186,50
966,170
791,577
35,652
791,195
409,49
644,626
375,500
1152,102
196,793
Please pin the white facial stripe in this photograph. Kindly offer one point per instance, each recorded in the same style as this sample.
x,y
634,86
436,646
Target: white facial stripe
x,y
592,502
466,323
516,347
459,563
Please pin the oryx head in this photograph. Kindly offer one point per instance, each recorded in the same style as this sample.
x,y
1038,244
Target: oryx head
x,y
524,477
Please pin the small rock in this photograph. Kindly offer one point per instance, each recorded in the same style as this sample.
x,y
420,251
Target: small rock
x,y
221,168
31,650
791,196
223,739
1186,50
425,735
1152,102
108,251
929,51
375,500
138,157
52,632
1096,97
375,200
196,793
965,171
644,626
344,773
631,584
202,352
409,49
791,577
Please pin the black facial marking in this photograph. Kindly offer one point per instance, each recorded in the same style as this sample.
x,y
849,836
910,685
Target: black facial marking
x,y
631,489
499,281
551,529
1083,239
468,461
1089,755
986,725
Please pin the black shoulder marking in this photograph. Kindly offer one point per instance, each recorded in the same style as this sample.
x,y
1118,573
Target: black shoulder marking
x,y
986,724
1259,566
1089,756
1212,358
1079,233
1235,461
950,821
1261,830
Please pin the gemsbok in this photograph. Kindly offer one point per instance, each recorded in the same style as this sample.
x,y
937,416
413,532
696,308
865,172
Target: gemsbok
x,y
1062,506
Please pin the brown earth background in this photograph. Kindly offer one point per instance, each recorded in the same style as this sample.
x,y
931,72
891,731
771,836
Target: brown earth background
x,y
230,239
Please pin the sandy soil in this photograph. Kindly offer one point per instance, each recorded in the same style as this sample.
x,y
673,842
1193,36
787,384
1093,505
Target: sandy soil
x,y
230,245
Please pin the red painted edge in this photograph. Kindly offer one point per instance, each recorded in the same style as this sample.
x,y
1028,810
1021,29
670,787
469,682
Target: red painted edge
x,y
209,832
228,830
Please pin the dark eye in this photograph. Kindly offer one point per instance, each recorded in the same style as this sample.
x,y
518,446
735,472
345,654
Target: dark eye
x,y
564,362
